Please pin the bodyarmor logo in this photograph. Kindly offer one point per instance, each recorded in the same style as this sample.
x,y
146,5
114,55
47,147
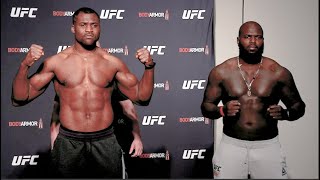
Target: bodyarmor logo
x,y
21,12
191,50
158,85
190,84
164,85
167,155
151,14
191,154
62,13
151,120
155,49
23,123
155,156
18,50
204,50
126,51
109,14
40,124
194,119
190,14
23,160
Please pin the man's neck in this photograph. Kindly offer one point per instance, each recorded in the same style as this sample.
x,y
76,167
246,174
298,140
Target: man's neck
x,y
83,47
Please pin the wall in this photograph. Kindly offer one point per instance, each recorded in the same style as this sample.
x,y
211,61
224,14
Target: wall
x,y
177,139
291,38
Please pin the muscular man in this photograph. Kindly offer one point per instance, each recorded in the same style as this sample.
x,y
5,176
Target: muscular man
x,y
125,123
84,76
250,87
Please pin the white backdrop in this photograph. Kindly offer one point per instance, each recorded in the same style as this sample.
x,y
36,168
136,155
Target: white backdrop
x,y
291,30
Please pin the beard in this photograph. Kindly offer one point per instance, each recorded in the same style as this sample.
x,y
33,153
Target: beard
x,y
251,58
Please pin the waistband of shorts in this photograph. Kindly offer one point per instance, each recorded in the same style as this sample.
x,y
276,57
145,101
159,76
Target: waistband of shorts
x,y
249,144
108,132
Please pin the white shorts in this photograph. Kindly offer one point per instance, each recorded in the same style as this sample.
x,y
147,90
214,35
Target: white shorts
x,y
236,159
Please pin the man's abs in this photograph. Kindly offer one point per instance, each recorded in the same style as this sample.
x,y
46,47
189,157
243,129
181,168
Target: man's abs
x,y
250,126
86,121
85,109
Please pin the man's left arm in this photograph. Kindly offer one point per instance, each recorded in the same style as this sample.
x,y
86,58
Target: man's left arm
x,y
139,92
291,98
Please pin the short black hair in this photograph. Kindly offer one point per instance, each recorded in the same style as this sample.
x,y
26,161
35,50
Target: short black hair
x,y
249,22
84,10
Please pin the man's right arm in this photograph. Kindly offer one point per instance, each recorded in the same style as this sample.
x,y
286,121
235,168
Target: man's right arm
x,y
212,96
25,89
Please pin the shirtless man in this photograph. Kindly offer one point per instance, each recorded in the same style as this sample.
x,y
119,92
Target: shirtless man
x,y
250,87
123,110
84,76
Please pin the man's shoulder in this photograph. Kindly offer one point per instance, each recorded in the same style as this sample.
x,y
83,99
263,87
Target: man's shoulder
x,y
275,67
227,64
63,54
223,69
271,64
109,57
55,59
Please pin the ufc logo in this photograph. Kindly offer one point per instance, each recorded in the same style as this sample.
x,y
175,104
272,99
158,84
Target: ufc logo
x,y
190,14
151,120
190,84
109,14
155,49
61,48
20,12
191,154
22,160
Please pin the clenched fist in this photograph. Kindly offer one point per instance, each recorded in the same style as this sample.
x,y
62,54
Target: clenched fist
x,y
277,112
144,57
35,52
232,107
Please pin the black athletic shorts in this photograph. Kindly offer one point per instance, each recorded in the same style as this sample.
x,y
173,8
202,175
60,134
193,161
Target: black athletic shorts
x,y
86,155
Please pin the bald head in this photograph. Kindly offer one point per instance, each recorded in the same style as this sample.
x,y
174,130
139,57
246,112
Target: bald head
x,y
250,24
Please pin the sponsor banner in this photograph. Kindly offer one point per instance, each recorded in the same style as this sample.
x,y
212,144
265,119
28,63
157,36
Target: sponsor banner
x,y
190,14
38,124
164,155
194,120
153,120
193,154
25,160
20,12
193,84
161,15
162,85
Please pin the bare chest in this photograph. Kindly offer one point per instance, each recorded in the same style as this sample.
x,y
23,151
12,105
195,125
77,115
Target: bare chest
x,y
263,84
78,72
